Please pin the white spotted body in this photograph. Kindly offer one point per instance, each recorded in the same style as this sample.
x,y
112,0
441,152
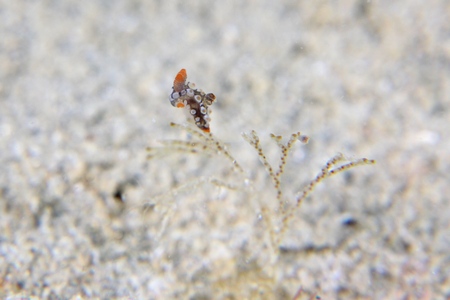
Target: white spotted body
x,y
195,100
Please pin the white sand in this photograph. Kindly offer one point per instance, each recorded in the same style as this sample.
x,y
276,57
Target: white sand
x,y
84,90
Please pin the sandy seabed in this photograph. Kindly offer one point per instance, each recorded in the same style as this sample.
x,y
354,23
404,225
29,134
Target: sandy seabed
x,y
84,90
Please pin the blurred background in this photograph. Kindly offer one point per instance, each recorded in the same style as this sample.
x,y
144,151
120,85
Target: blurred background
x,y
84,90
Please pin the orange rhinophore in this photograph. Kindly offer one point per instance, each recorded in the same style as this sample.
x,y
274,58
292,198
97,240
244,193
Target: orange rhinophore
x,y
180,80
184,95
